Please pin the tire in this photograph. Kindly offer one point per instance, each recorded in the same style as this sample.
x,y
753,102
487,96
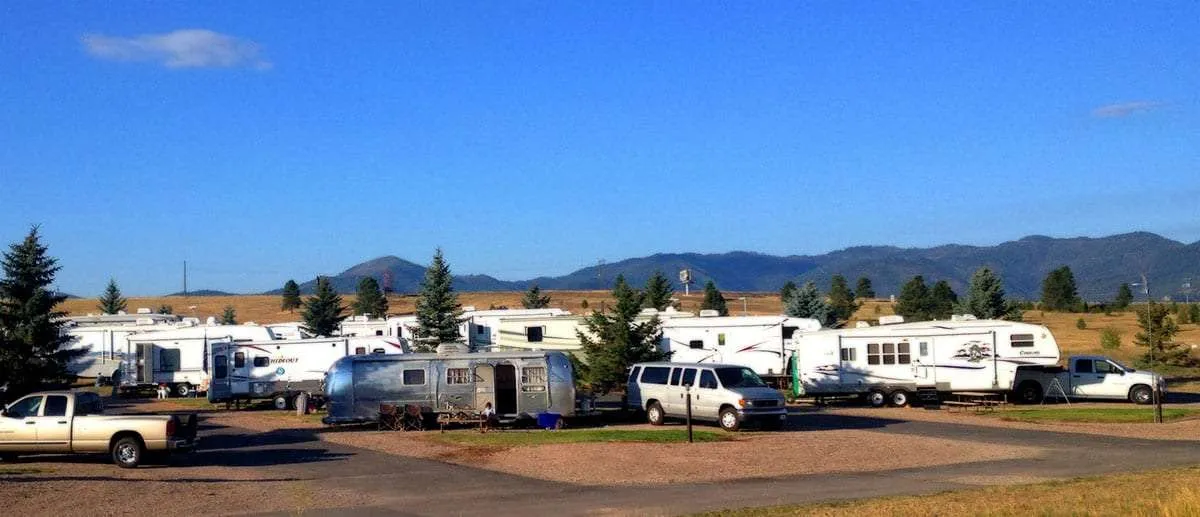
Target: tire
x,y
898,398
654,414
8,457
877,398
183,390
127,452
729,420
282,402
1029,392
1141,394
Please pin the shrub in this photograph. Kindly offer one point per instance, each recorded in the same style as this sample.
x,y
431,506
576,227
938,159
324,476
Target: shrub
x,y
1110,339
1080,324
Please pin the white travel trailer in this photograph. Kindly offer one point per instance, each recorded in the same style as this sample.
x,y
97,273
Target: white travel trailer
x,y
889,363
282,370
555,332
287,330
104,345
179,357
762,343
483,327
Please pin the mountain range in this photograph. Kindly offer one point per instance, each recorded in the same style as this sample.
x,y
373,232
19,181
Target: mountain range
x,y
1100,265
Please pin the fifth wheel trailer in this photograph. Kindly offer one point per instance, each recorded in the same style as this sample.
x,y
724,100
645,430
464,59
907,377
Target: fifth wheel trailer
x,y
889,363
761,343
179,357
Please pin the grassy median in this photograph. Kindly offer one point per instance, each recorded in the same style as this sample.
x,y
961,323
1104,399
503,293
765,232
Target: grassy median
x,y
541,437
1095,415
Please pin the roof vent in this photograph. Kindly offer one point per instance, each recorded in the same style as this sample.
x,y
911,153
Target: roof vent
x,y
452,348
144,310
709,313
891,319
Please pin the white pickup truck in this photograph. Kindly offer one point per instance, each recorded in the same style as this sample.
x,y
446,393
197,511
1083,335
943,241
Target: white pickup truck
x,y
1087,377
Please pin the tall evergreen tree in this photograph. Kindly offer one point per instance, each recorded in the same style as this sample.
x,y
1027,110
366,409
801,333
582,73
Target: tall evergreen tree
x,y
841,300
31,329
1059,292
913,302
658,292
942,300
864,290
985,298
1124,297
788,290
229,316
369,299
534,299
614,339
1157,334
291,296
111,302
323,311
807,302
713,299
438,310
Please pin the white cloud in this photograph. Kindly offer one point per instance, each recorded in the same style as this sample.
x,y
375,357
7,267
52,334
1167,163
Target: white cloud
x,y
1125,109
184,48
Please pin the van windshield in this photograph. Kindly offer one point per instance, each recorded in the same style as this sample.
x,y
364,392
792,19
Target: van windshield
x,y
739,378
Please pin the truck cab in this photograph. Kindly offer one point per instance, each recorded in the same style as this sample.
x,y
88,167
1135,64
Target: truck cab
x,y
1088,377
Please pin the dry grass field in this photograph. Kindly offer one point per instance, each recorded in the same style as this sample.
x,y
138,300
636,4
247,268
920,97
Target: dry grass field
x,y
265,309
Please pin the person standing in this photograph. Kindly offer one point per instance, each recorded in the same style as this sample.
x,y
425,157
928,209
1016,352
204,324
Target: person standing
x,y
116,383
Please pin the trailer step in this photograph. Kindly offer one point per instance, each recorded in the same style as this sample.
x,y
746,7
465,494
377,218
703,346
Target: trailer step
x,y
930,398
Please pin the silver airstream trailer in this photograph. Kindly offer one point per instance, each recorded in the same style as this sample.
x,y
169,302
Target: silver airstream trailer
x,y
518,384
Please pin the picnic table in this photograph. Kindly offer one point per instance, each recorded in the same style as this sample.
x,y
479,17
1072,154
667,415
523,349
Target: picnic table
x,y
980,401
461,414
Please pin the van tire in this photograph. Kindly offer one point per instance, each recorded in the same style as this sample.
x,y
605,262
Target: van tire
x,y
898,398
1141,394
127,452
1029,392
654,414
183,390
728,419
877,398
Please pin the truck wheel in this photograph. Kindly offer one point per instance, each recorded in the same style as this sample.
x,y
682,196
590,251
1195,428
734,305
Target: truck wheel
x,y
876,398
282,402
1141,394
183,390
898,398
654,414
729,420
127,452
1029,392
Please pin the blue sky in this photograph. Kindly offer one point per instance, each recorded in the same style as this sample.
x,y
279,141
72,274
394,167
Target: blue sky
x,y
262,142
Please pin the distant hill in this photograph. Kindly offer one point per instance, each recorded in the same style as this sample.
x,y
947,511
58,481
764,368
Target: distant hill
x,y
1099,264
202,292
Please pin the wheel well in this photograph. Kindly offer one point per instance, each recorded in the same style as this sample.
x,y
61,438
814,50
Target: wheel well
x,y
1029,382
651,402
125,434
1136,386
726,406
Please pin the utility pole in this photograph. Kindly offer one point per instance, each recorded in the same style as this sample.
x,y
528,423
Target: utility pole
x,y
1155,391
185,279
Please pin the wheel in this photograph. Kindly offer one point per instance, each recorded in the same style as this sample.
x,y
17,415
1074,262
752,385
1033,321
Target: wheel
x,y
8,457
1141,394
183,389
876,398
729,419
898,398
281,402
1029,392
654,414
127,452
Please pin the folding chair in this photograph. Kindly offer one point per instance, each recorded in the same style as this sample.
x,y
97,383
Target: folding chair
x,y
389,417
412,419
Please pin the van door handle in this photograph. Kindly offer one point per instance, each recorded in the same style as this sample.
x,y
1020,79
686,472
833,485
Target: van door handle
x,y
30,423
62,421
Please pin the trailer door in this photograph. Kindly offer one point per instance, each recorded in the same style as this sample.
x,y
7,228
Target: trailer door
x,y
220,389
485,386
925,362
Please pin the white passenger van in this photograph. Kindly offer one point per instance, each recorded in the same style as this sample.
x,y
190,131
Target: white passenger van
x,y
727,394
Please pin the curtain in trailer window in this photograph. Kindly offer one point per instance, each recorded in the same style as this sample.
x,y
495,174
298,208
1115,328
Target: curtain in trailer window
x,y
533,378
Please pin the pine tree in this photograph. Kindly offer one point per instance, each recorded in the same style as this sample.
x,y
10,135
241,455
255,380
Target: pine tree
x,y
807,302
658,292
942,300
841,301
1124,297
614,339
985,298
864,290
1059,292
713,299
229,317
369,299
111,301
534,299
291,296
1194,313
913,302
788,290
165,309
323,312
438,310
31,330
1158,336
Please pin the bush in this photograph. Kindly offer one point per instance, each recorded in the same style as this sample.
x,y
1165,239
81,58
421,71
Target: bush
x,y
1080,324
1110,339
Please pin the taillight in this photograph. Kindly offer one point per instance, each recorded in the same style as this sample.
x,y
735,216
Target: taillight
x,y
171,426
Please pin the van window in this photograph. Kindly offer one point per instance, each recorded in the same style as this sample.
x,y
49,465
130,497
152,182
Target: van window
x,y
414,377
168,360
56,405
655,375
262,362
1022,340
239,360
533,334
849,355
675,375
695,344
220,367
533,378
739,377
689,377
633,374
1083,366
708,381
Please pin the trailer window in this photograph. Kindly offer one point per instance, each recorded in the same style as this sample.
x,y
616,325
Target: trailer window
x,y
533,378
56,405
168,360
533,334
889,353
902,354
1022,340
480,329
695,344
924,349
675,375
414,377
360,350
849,355
788,332
220,367
262,362
721,339
239,360
458,376
378,332
872,353
655,375
708,381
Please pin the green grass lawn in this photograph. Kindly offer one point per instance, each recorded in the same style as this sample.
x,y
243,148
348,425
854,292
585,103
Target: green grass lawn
x,y
540,437
1095,415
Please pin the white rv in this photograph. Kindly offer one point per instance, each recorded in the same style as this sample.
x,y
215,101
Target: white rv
x,y
483,327
105,345
282,370
179,357
761,343
889,363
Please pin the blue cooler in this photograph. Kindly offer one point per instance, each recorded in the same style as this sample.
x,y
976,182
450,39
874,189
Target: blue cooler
x,y
549,420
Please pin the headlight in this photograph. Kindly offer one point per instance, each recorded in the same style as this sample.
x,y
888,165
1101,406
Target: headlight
x,y
743,403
